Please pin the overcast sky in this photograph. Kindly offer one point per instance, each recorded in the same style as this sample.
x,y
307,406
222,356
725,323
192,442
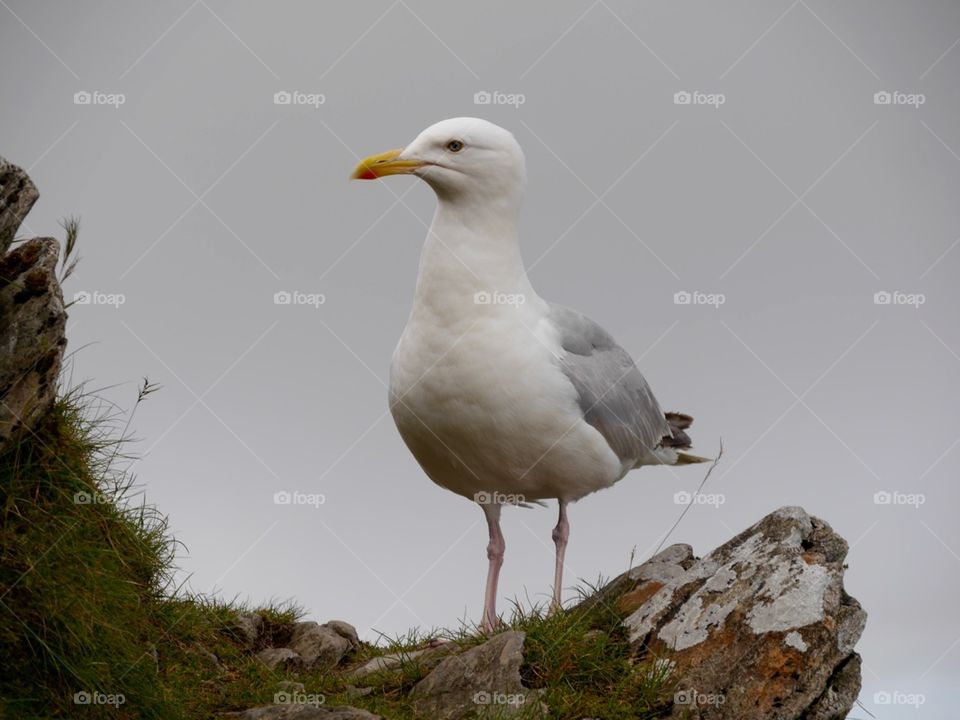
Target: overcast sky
x,y
783,197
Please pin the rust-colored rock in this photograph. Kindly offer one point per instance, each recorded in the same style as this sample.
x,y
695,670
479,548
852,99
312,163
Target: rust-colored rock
x,y
760,628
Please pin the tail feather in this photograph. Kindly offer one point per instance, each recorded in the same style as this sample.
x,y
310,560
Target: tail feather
x,y
678,439
688,459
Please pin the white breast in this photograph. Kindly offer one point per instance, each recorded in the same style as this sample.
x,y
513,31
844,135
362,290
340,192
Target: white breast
x,y
479,398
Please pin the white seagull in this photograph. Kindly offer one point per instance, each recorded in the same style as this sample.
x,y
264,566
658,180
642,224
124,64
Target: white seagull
x,y
502,397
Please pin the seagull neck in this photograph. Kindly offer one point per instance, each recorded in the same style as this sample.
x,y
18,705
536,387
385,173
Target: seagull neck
x,y
471,249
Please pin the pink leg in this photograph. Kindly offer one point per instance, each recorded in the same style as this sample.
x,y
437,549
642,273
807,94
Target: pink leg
x,y
495,551
560,535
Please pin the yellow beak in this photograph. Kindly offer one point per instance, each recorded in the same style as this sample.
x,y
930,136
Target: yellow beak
x,y
378,166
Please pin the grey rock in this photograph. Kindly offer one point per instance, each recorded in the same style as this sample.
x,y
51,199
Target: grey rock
x,y
284,658
628,591
249,628
32,341
762,622
320,646
344,630
481,682
17,196
301,711
424,658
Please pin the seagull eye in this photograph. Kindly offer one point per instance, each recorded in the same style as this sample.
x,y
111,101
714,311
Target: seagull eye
x,y
455,146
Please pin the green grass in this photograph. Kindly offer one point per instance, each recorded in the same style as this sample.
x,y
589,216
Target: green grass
x,y
88,604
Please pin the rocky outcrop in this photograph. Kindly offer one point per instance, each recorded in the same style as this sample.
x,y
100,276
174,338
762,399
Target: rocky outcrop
x,y
760,628
32,315
483,681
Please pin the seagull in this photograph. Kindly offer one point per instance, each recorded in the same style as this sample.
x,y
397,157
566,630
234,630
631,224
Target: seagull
x,y
502,397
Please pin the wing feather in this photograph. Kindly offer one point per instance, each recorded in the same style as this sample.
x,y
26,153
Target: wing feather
x,y
612,393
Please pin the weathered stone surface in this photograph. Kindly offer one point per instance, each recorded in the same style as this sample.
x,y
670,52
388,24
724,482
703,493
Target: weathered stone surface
x,y
248,627
302,711
424,659
284,658
760,628
344,630
32,341
320,646
17,196
481,682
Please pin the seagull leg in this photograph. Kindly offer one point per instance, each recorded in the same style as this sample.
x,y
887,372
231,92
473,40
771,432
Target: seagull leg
x,y
495,550
560,535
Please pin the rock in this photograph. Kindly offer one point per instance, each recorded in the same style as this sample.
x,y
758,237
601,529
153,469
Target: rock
x,y
302,711
32,341
284,658
17,196
248,628
344,630
32,315
481,682
424,658
760,628
320,646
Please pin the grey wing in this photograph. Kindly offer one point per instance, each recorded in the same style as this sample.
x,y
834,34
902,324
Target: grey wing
x,y
613,395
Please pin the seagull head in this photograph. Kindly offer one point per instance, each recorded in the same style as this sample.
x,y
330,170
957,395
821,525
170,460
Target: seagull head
x,y
460,158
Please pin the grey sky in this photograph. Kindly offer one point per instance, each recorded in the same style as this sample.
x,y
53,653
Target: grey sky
x,y
796,199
